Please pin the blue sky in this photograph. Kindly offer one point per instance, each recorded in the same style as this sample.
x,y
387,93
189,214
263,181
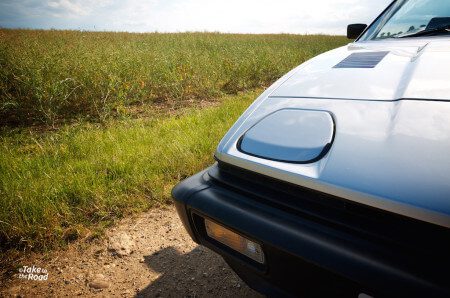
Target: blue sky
x,y
240,16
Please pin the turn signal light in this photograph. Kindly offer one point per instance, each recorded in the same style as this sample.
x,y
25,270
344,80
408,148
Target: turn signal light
x,y
235,241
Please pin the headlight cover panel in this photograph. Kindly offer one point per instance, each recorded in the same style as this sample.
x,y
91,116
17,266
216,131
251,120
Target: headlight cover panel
x,y
290,135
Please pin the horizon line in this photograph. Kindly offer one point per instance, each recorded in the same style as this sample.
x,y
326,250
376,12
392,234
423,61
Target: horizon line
x,y
164,32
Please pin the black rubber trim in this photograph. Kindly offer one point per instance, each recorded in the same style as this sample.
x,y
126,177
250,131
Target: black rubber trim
x,y
369,222
302,244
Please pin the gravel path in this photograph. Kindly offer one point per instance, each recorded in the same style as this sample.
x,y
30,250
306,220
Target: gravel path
x,y
149,255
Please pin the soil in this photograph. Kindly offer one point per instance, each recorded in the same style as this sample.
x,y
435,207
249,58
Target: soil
x,y
149,255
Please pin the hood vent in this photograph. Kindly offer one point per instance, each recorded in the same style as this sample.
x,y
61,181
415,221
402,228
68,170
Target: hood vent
x,y
362,60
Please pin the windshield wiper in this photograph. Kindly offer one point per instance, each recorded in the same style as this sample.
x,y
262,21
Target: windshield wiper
x,y
444,29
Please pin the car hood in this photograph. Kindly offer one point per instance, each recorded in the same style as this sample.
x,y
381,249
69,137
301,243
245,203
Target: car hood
x,y
414,68
389,147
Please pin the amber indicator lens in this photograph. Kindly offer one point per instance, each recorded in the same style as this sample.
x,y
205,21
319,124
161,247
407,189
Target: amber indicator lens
x,y
235,241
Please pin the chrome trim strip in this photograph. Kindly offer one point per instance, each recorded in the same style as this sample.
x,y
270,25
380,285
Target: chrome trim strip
x,y
359,197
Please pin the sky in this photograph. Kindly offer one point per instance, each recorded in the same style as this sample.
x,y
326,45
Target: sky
x,y
234,16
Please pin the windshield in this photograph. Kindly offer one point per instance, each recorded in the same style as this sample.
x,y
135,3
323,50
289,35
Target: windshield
x,y
406,17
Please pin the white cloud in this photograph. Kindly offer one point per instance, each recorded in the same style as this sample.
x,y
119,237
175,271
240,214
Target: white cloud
x,y
67,8
244,16
75,8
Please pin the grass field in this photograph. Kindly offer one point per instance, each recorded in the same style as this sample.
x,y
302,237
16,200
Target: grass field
x,y
80,143
51,76
54,186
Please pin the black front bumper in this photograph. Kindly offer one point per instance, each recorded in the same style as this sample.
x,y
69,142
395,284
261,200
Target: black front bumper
x,y
315,245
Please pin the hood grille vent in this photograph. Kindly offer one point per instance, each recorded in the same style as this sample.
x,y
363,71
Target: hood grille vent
x,y
362,60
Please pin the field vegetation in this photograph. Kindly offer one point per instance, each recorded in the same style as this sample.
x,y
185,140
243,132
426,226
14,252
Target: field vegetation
x,y
50,76
57,185
97,125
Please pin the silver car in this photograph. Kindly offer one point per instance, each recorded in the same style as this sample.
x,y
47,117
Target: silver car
x,y
336,180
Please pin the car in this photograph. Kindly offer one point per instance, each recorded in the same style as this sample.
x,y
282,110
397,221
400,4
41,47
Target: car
x,y
336,180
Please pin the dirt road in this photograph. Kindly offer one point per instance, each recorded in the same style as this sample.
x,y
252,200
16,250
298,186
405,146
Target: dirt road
x,y
149,255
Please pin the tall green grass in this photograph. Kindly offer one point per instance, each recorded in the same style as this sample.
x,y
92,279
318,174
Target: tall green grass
x,y
54,76
55,186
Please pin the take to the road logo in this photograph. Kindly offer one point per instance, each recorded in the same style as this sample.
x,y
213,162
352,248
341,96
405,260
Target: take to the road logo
x,y
33,273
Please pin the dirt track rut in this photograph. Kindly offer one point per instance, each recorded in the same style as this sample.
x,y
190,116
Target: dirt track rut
x,y
164,262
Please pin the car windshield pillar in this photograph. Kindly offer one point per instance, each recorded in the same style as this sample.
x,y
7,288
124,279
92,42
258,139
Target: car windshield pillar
x,y
409,17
